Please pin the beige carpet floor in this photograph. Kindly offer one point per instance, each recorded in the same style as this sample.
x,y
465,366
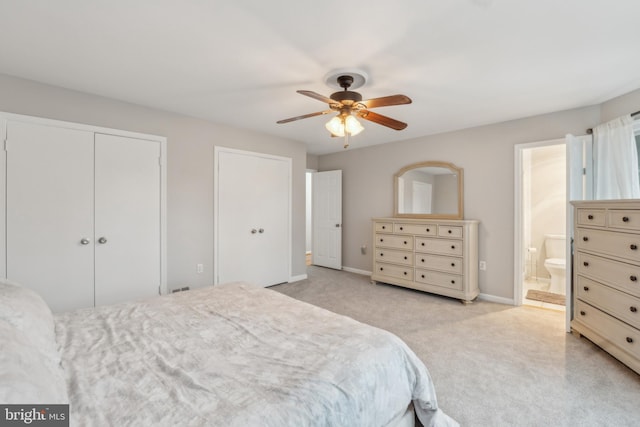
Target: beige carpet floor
x,y
493,365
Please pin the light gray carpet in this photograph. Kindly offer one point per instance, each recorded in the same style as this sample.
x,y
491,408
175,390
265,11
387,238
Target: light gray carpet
x,y
493,365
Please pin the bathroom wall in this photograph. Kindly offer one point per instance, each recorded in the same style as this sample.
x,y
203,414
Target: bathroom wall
x,y
547,202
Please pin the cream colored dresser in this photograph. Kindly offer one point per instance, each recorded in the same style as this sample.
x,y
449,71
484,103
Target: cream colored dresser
x,y
438,256
607,277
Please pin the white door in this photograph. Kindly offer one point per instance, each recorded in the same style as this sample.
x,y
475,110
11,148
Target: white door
x,y
253,205
50,246
127,218
327,219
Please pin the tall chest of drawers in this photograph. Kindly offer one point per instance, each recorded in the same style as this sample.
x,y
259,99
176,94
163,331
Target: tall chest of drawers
x,y
606,281
437,256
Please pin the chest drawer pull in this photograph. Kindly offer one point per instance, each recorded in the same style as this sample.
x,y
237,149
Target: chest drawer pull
x,y
453,282
586,288
382,240
583,313
633,247
384,227
633,309
629,340
453,246
633,278
401,228
625,219
405,273
449,231
586,264
453,264
405,257
428,230
585,239
590,216
405,242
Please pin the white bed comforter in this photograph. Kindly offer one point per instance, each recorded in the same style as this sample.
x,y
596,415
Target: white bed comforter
x,y
236,355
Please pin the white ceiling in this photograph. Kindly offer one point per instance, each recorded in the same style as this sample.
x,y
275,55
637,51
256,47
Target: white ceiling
x,y
239,62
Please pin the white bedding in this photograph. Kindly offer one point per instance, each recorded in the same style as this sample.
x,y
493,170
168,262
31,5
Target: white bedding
x,y
236,355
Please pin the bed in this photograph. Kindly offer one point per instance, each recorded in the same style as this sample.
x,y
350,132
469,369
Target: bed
x,y
229,355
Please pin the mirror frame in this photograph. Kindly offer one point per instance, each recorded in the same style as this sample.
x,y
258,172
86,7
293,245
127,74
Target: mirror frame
x,y
455,169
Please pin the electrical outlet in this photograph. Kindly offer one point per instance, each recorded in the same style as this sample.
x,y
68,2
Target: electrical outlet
x,y
483,265
199,268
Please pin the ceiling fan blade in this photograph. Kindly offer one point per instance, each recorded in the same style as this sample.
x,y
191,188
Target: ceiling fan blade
x,y
317,96
382,120
386,100
305,116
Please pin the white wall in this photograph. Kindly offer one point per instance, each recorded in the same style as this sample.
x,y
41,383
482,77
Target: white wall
x,y
485,153
190,166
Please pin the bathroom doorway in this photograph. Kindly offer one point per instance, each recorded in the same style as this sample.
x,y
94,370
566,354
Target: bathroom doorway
x,y
541,225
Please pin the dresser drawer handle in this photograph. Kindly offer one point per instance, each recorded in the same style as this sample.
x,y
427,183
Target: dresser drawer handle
x,y
586,263
633,309
381,269
633,278
422,276
586,288
382,240
405,242
453,246
590,217
422,243
449,231
381,254
405,273
625,219
453,282
428,230
629,340
583,313
384,227
401,228
633,247
585,239
422,260
405,257
453,264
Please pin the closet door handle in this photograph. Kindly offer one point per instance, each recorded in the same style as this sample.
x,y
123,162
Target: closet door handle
x,y
254,231
261,230
85,241
102,240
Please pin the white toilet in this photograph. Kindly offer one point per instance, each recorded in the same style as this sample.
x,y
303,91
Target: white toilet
x,y
554,245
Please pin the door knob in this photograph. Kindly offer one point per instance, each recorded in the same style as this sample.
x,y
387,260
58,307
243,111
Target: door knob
x,y
102,240
85,241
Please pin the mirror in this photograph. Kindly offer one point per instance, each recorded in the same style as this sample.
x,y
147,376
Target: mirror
x,y
429,190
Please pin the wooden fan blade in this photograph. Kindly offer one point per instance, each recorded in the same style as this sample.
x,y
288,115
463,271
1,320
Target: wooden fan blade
x,y
317,96
386,100
382,120
305,116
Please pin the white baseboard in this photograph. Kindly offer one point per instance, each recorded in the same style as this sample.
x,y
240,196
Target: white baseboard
x,y
297,278
499,300
357,271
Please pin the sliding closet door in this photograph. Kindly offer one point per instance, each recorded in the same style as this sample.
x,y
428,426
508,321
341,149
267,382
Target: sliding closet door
x,y
253,220
127,218
50,212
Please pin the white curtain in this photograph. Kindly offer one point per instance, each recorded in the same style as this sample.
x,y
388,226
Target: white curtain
x,y
615,160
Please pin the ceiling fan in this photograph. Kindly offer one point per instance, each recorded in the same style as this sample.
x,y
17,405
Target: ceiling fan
x,y
349,105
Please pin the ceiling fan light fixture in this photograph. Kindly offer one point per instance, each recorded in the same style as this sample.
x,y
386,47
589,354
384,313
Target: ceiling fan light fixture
x,y
340,125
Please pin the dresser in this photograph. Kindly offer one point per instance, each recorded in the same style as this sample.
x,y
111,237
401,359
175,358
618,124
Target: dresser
x,y
437,256
606,277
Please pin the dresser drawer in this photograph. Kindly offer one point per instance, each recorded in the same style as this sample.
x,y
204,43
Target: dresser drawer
x,y
619,245
595,217
394,271
620,275
618,304
624,219
439,246
394,256
619,333
419,229
437,262
445,280
393,241
384,227
450,231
